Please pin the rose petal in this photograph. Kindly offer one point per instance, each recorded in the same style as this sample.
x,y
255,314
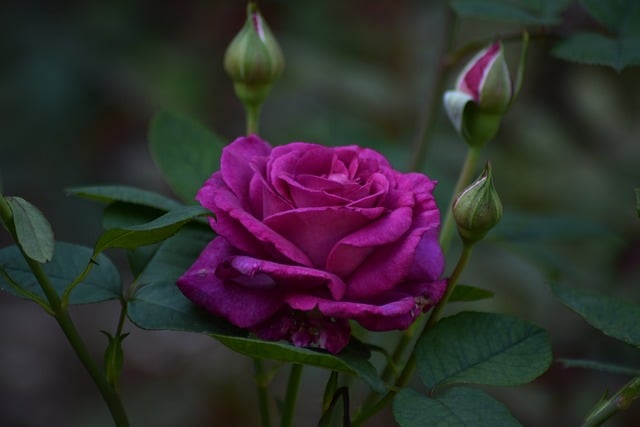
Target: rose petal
x,y
415,183
428,260
351,251
396,309
312,191
245,232
470,80
386,266
285,161
317,230
242,306
264,201
235,164
369,160
455,102
377,187
234,231
285,277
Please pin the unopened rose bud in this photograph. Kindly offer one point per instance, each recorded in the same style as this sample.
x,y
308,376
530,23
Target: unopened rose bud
x,y
482,95
253,60
478,208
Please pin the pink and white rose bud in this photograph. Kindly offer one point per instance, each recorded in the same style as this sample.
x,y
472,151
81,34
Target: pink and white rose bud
x,y
482,95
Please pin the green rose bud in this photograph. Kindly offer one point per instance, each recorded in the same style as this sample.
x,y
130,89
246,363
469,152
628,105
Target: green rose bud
x,y
478,208
253,60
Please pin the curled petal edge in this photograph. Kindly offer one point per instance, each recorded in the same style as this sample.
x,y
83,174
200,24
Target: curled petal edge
x,y
455,102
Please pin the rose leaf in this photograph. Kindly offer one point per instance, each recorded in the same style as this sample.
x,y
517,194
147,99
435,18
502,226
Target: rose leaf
x,y
33,231
614,317
455,407
123,193
151,232
101,284
482,348
186,152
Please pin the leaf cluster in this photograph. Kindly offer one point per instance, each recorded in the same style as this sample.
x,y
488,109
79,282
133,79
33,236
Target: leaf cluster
x,y
612,39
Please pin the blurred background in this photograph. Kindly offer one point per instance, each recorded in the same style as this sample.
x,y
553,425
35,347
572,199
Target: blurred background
x,y
80,80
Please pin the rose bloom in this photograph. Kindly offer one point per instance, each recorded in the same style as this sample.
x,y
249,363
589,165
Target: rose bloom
x,y
310,237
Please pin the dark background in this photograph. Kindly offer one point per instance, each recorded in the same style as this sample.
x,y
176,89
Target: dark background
x,y
80,80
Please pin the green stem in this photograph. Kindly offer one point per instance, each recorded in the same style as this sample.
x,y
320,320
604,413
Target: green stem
x,y
466,175
409,368
25,293
67,292
453,280
61,315
329,391
263,393
253,118
390,369
405,340
291,396
124,303
6,215
619,401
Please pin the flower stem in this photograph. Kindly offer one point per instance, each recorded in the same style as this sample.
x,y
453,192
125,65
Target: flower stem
x,y
253,118
409,368
291,396
109,394
453,280
329,391
621,400
465,177
263,393
60,313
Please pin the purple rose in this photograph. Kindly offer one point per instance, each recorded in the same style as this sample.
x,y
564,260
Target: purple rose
x,y
311,237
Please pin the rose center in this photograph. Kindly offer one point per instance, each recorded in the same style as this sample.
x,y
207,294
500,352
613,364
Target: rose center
x,y
340,178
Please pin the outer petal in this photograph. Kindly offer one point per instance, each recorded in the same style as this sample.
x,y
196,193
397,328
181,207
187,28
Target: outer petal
x,y
235,164
286,278
454,103
428,260
396,309
238,235
242,306
418,184
244,231
473,74
394,315
351,251
264,200
384,269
